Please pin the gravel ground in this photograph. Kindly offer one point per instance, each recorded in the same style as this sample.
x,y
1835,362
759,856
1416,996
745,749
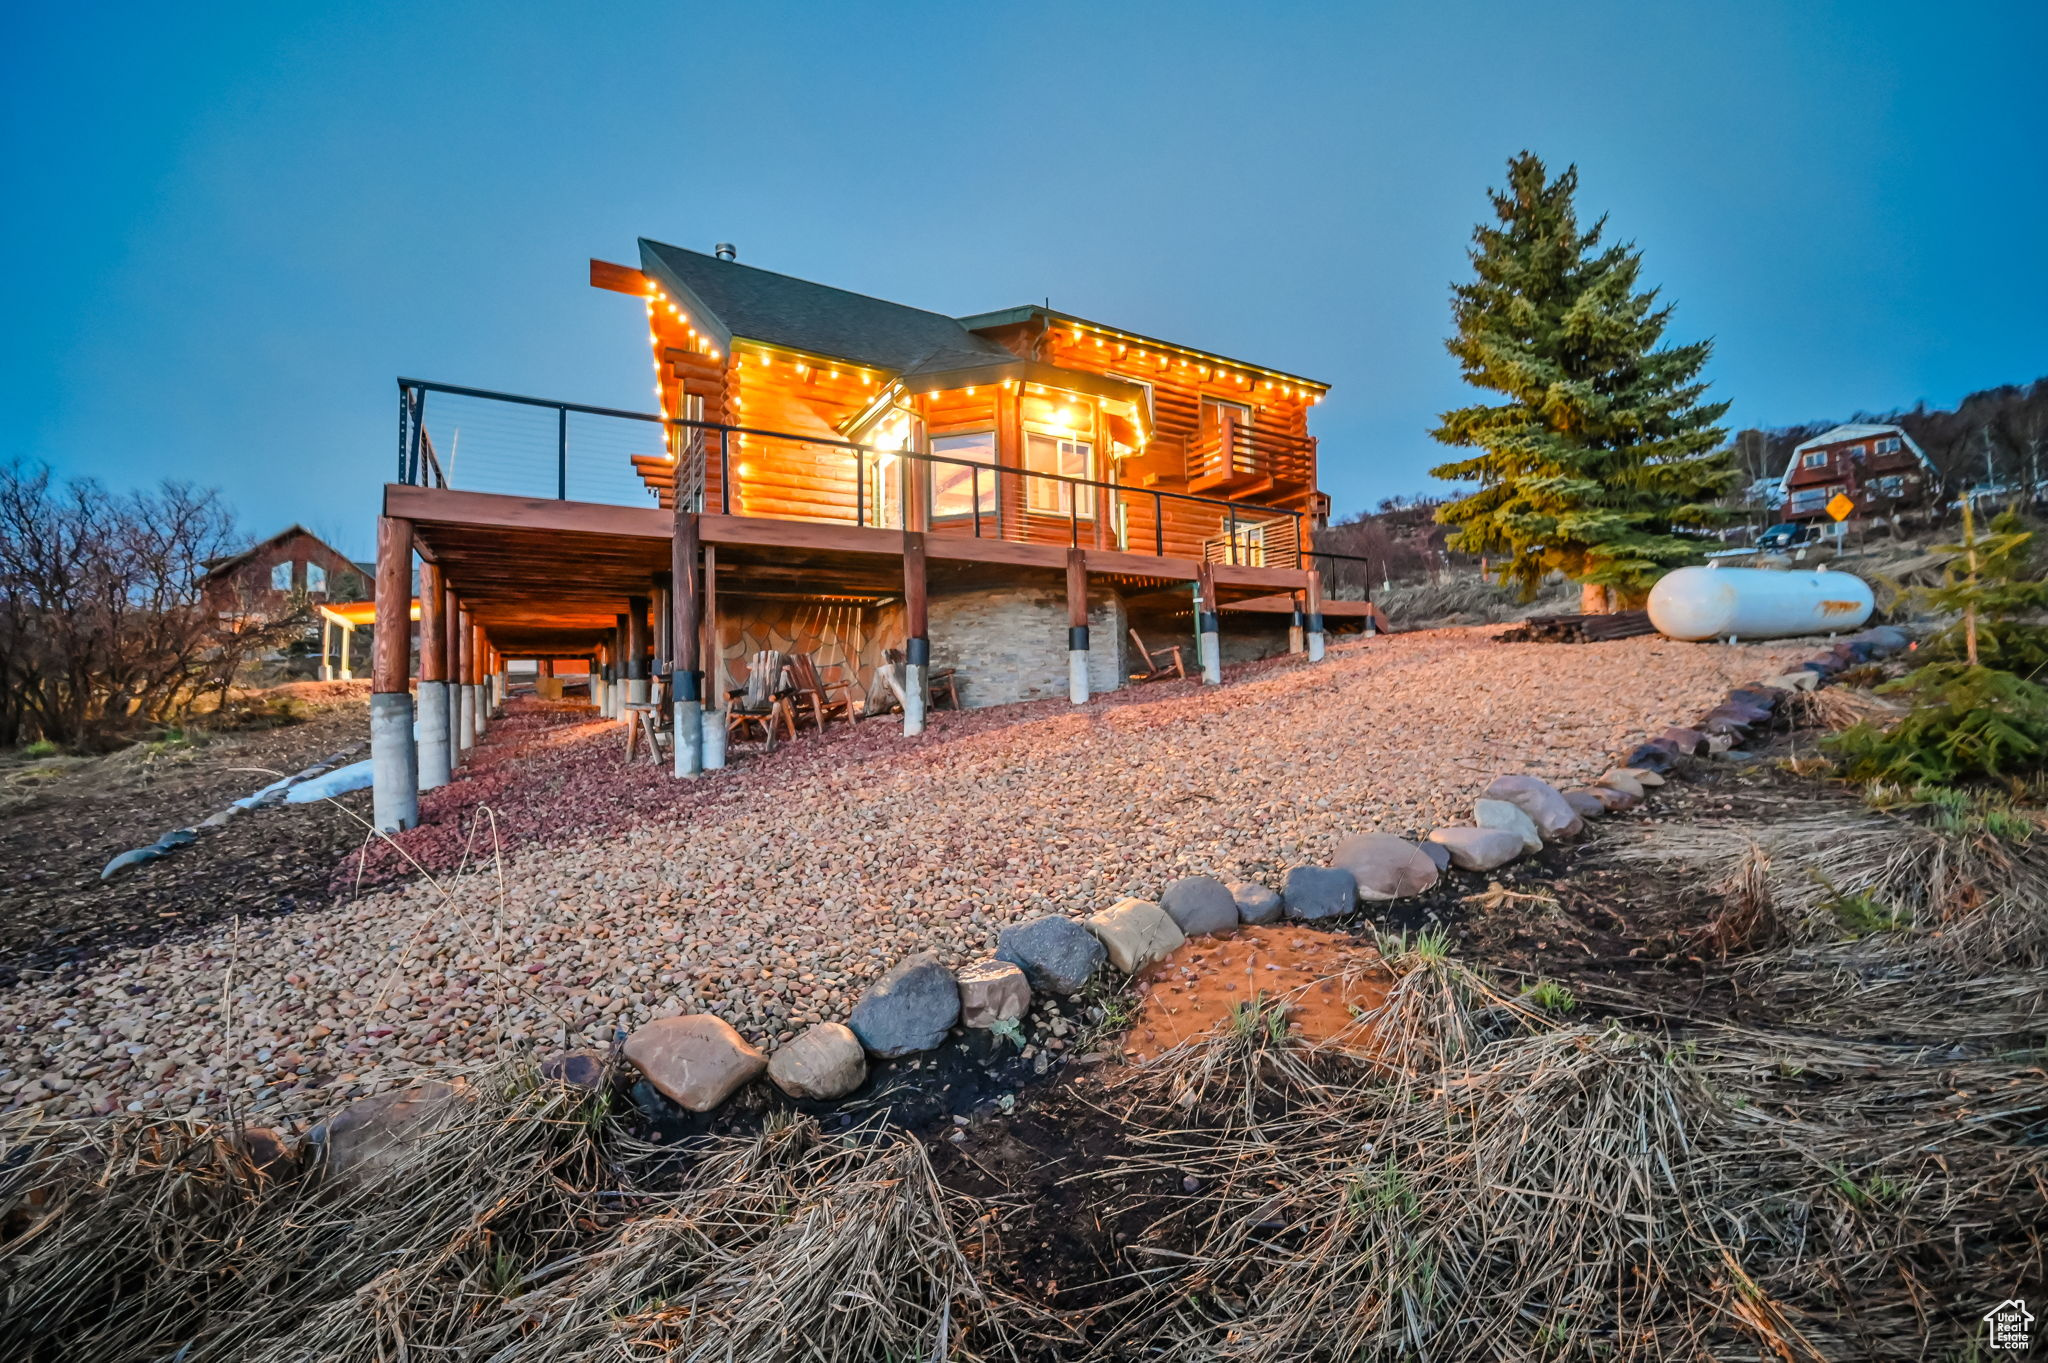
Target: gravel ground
x,y
772,893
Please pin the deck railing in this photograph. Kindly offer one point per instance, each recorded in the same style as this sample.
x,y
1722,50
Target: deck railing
x,y
477,440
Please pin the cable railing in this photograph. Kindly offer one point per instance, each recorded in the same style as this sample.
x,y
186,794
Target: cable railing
x,y
473,439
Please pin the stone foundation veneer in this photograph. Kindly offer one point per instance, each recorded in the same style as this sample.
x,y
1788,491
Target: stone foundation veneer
x,y
1010,643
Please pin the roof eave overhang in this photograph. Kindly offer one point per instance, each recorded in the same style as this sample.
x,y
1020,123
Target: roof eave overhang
x,y
989,321
708,323
924,382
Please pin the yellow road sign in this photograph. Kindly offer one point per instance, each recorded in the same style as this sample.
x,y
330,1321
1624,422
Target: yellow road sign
x,y
1841,507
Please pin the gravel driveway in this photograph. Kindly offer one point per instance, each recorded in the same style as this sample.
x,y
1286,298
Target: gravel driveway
x,y
771,893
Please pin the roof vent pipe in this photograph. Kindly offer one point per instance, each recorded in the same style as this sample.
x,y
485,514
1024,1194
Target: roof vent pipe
x,y
725,250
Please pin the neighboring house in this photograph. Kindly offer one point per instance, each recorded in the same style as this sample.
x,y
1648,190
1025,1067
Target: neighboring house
x,y
853,462
262,579
1879,468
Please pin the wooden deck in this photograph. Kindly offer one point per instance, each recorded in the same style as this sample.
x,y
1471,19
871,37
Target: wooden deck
x,y
543,576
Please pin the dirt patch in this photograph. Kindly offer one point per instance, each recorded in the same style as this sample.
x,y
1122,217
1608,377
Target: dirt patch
x,y
62,819
1318,981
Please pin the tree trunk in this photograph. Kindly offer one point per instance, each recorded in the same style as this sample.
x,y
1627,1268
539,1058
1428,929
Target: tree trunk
x,y
1592,599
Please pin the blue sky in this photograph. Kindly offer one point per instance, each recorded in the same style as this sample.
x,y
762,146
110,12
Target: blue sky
x,y
230,228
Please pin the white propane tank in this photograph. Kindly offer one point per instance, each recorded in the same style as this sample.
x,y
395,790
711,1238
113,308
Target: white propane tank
x,y
1757,603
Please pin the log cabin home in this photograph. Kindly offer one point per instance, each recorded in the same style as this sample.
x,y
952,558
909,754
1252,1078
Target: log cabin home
x,y
1022,498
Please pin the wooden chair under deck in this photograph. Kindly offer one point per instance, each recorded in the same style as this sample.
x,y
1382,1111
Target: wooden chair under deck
x,y
1154,669
822,700
764,701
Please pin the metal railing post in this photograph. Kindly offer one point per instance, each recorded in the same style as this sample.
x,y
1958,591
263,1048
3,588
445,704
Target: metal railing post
x,y
1158,525
562,454
974,491
1230,513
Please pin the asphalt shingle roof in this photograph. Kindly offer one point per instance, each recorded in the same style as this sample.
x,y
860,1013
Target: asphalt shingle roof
x,y
760,305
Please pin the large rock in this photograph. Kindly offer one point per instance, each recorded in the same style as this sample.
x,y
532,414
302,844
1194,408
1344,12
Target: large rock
x,y
1690,742
1479,849
1384,866
823,1062
1613,799
1509,817
992,992
1801,680
1135,933
1588,805
1058,955
1644,777
1200,904
1658,755
1314,892
370,1136
1255,903
1542,802
911,1008
1436,853
1621,780
696,1060
1883,640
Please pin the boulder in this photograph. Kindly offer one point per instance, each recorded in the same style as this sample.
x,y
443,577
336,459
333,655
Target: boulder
x,y
1200,904
1588,805
911,1008
1801,680
823,1062
583,1068
1620,780
695,1060
1057,954
1541,801
1884,640
1135,933
1607,797
992,992
134,857
1436,853
1764,699
371,1135
1718,725
1645,778
1687,742
1511,817
1310,893
1655,755
1255,903
1479,849
1384,866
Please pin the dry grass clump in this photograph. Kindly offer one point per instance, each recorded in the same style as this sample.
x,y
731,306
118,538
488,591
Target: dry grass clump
x,y
517,1224
1834,708
1590,1192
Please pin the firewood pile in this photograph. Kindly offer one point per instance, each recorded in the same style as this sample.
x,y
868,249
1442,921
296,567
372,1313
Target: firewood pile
x,y
1578,629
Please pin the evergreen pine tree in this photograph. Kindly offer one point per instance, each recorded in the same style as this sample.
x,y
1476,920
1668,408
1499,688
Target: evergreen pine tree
x,y
1996,591
1604,447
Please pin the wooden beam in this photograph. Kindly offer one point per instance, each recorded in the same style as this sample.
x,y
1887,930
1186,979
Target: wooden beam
x,y
617,278
391,664
916,643
433,634
687,630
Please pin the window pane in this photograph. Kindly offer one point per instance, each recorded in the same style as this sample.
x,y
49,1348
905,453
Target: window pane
x,y
280,577
954,485
316,578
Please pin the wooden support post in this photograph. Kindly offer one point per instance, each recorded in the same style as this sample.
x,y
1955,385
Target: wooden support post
x,y
917,648
1208,626
711,661
394,763
687,629
479,664
1313,592
435,765
348,634
1077,627
1297,622
638,690
664,627
465,671
326,649
621,668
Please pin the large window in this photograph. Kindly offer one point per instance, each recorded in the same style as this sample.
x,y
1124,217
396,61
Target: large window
x,y
316,578
1063,455
957,489
1818,459
281,576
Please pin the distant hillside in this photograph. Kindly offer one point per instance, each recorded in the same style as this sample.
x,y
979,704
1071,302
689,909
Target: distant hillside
x,y
1997,436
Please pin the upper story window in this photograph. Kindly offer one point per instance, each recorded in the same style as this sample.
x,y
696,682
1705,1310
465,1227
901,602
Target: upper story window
x,y
1818,459
316,578
1067,457
958,489
1855,451
281,576
1888,445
